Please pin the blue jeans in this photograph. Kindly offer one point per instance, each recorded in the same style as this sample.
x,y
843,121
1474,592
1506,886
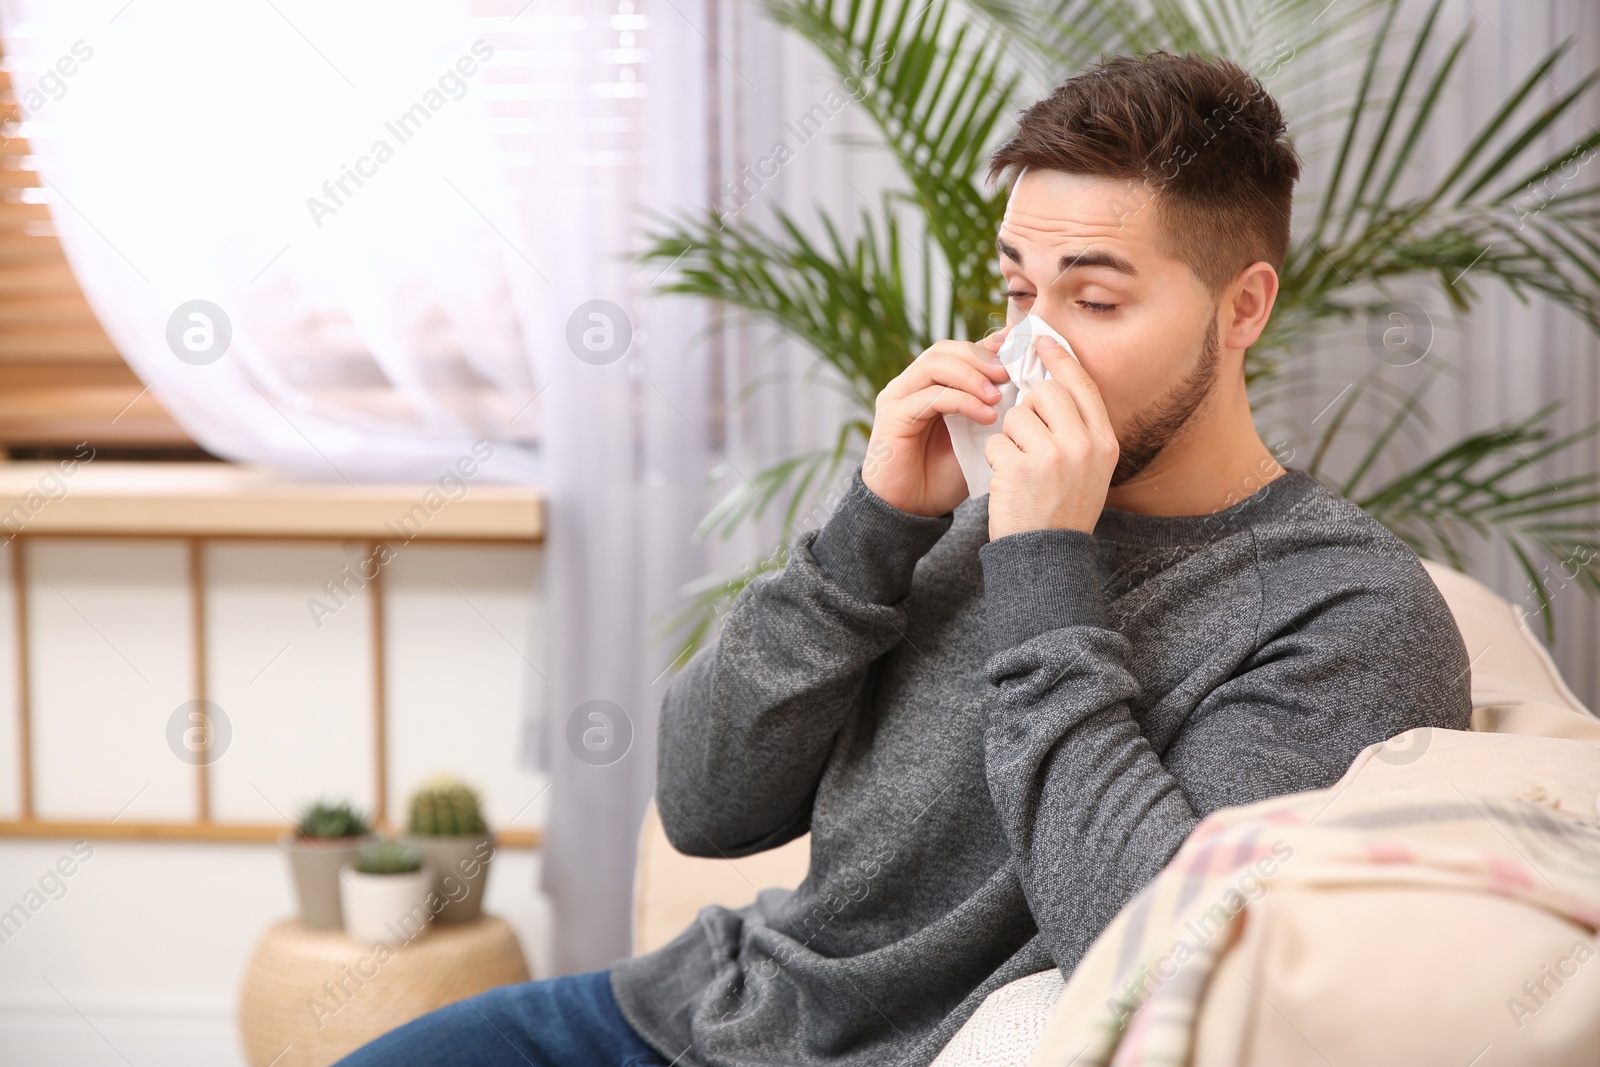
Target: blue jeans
x,y
571,1021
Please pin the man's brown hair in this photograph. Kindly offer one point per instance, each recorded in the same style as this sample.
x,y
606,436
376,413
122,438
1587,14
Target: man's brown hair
x,y
1203,142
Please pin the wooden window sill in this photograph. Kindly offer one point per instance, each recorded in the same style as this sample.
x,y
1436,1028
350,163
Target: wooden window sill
x,y
234,833
121,499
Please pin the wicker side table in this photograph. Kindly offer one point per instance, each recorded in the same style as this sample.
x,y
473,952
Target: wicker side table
x,y
311,996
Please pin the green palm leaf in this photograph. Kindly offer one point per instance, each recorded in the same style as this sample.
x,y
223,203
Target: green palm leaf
x,y
845,299
937,101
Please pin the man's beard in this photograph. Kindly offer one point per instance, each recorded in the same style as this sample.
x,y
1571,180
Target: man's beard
x,y
1153,429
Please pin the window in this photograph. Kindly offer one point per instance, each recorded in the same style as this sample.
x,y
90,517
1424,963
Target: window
x,y
61,379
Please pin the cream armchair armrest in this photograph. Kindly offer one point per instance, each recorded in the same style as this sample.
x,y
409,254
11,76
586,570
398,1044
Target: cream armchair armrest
x,y
669,888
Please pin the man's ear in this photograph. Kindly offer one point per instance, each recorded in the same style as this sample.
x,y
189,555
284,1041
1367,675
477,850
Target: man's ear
x,y
1246,305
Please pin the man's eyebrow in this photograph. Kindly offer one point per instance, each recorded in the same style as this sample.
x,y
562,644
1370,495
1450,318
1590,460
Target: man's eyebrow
x,y
1086,258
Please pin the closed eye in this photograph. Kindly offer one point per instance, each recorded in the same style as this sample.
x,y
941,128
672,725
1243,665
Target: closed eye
x,y
1087,305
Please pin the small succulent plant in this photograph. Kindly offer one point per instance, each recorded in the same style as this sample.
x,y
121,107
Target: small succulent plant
x,y
446,807
326,819
388,857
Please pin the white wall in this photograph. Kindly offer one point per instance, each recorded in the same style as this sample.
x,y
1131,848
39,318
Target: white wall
x,y
139,959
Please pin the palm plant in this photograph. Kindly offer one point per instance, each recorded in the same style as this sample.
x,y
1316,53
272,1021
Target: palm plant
x,y
1501,213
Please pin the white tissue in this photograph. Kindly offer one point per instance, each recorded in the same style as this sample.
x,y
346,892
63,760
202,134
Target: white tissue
x,y
1026,369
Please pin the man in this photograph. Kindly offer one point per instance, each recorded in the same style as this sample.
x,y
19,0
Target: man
x,y
998,718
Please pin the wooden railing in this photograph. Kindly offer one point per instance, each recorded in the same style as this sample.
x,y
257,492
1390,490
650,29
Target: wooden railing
x,y
198,504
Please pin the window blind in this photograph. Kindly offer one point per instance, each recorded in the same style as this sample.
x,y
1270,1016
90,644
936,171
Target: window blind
x,y
61,379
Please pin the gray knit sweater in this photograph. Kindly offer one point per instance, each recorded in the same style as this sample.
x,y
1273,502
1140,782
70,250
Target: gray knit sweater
x,y
995,745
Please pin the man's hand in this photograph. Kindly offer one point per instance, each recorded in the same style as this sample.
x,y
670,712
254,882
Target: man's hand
x,y
910,462
1054,455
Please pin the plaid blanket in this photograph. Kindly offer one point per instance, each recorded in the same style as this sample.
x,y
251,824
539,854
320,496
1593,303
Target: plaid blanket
x,y
1230,955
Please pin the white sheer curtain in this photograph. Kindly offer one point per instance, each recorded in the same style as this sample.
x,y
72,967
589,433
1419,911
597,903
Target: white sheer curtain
x,y
389,306
379,323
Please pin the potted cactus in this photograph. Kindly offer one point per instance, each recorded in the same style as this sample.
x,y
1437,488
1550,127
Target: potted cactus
x,y
325,838
385,892
447,826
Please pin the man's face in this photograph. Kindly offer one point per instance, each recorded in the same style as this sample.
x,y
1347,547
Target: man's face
x,y
1082,254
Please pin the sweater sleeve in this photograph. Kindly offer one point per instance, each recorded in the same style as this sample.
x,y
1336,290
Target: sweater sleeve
x,y
1090,811
748,724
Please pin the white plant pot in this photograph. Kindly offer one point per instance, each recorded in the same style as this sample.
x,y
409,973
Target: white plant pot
x,y
385,907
